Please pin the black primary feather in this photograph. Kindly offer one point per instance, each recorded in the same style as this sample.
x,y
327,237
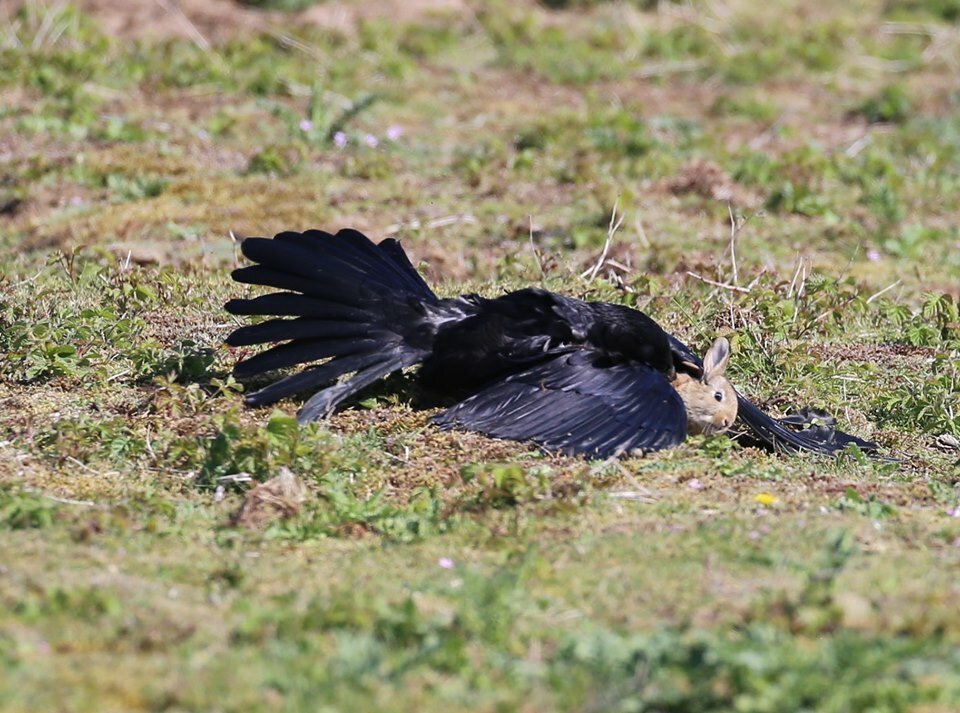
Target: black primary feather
x,y
572,376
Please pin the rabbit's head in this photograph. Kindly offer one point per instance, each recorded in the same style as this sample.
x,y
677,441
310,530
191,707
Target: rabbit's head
x,y
710,401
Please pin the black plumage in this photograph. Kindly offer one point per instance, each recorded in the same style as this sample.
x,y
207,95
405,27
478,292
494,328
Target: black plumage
x,y
572,376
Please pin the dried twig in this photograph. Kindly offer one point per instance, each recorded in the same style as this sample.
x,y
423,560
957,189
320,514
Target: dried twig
x,y
660,69
28,280
619,265
826,313
69,501
416,224
174,9
236,247
615,223
736,226
642,496
944,40
857,146
889,287
767,134
641,233
725,286
800,272
536,251
289,41
733,239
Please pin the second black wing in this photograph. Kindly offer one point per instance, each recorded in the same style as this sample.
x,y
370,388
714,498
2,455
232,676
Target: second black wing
x,y
805,430
578,402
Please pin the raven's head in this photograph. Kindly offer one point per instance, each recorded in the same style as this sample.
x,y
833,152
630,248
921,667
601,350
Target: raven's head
x,y
711,401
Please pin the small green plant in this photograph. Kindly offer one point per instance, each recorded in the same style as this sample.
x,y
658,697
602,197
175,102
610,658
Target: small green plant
x,y
798,198
506,484
926,401
90,438
747,106
890,105
912,240
619,132
942,313
126,188
275,160
945,10
257,451
871,507
22,510
344,513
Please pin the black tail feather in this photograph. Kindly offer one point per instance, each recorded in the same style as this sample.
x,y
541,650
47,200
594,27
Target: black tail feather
x,y
311,378
290,254
278,330
301,352
350,255
324,286
322,403
289,304
408,279
344,248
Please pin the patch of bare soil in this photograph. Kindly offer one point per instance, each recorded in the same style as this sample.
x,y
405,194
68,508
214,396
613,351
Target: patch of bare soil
x,y
883,354
708,180
213,21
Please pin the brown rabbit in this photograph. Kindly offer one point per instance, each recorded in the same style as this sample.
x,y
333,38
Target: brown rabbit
x,y
711,401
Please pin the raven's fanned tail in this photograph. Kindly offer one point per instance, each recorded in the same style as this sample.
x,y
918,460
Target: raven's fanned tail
x,y
361,306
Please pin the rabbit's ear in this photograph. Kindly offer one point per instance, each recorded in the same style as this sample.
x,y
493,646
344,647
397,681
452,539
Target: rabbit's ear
x,y
716,359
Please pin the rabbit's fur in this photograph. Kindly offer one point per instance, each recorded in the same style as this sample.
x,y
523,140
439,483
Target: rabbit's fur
x,y
711,401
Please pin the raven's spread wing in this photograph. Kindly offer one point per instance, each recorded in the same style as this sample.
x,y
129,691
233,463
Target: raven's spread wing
x,y
578,402
805,430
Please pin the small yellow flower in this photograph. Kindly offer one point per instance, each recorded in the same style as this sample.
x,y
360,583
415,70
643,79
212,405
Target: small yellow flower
x,y
766,499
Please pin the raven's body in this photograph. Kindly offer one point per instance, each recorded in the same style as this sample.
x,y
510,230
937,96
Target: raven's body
x,y
575,376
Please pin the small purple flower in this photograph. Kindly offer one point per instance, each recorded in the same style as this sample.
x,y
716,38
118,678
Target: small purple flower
x,y
306,125
954,511
371,141
394,132
339,139
445,562
695,484
873,255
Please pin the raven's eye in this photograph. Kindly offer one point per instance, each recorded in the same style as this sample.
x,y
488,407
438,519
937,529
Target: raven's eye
x,y
718,395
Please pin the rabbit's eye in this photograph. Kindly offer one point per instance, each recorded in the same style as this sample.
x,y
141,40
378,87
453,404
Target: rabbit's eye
x,y
718,395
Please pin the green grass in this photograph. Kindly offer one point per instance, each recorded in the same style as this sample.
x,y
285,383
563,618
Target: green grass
x,y
434,570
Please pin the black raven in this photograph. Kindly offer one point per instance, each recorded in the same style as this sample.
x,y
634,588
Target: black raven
x,y
579,377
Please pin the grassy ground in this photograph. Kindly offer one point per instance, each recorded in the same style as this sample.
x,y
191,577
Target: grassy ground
x,y
437,571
